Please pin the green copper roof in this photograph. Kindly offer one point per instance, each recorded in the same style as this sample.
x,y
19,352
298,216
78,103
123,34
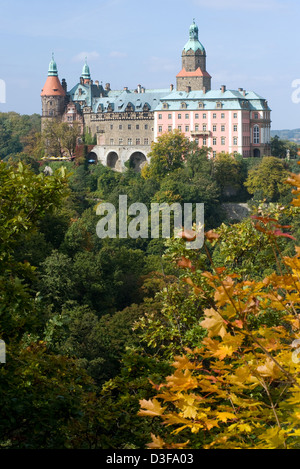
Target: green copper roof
x,y
193,43
86,71
52,71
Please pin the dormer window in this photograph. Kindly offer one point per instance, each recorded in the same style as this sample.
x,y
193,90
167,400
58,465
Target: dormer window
x,y
200,105
165,106
183,105
219,105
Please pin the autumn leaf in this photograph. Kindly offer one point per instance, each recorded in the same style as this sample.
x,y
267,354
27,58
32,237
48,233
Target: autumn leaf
x,y
214,323
157,442
151,408
269,369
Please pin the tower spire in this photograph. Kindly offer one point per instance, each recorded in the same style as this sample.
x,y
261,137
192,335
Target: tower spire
x,y
193,75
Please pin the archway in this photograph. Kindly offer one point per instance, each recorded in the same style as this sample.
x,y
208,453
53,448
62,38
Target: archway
x,y
112,159
137,160
92,158
256,153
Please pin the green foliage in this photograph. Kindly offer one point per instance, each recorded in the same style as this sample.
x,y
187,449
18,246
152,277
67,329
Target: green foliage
x,y
267,180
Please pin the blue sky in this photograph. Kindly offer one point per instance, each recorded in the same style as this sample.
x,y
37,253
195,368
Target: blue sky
x,y
250,44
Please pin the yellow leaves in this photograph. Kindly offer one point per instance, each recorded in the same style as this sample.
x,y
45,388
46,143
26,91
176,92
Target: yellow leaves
x,y
181,381
269,369
214,323
226,348
224,416
183,363
157,442
273,438
151,408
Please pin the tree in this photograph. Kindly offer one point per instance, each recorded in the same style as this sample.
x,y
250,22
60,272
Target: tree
x,y
60,138
167,154
239,389
267,180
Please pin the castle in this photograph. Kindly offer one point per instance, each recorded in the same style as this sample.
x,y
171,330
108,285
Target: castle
x,y
126,122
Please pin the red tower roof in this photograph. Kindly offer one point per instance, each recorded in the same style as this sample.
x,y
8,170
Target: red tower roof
x,y
196,73
53,87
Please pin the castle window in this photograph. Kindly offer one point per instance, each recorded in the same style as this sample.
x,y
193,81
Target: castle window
x,y
222,116
204,116
160,116
196,127
214,154
129,126
169,128
187,128
137,127
196,116
223,141
120,127
256,134
130,141
187,116
214,141
222,128
120,141
138,141
146,141
204,127
235,141
169,116
235,127
179,128
214,115
160,128
179,116
235,115
146,126
204,141
214,128
256,115
111,142
111,126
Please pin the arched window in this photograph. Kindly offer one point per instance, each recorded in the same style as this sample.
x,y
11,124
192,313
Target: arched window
x,y
256,134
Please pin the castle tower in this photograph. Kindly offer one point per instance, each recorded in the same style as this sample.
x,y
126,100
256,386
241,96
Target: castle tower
x,y
53,95
86,74
193,75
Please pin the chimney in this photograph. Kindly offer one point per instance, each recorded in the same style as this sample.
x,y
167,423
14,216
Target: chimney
x,y
223,88
139,88
204,89
97,83
64,84
244,92
107,87
240,90
143,90
171,87
188,89
125,88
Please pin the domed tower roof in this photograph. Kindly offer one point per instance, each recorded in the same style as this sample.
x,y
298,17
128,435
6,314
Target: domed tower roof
x,y
86,74
52,71
193,43
53,86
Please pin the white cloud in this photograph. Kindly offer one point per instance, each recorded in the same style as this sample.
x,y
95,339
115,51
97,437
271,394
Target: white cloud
x,y
90,56
118,55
